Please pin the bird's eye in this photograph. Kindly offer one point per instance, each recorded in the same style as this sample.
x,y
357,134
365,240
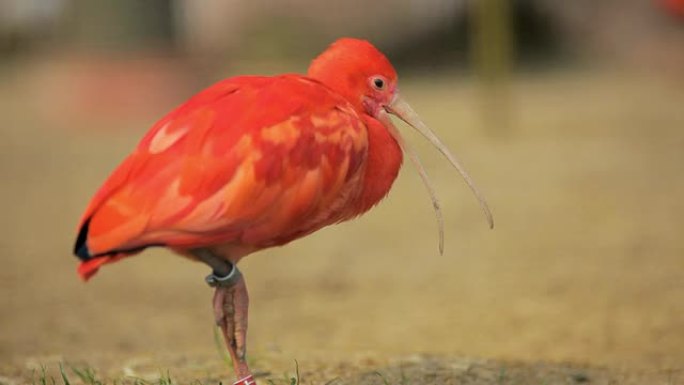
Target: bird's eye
x,y
378,83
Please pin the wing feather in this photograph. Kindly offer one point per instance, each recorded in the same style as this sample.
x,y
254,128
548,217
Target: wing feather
x,y
252,160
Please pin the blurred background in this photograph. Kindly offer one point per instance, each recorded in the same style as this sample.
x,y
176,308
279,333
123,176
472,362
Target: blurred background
x,y
569,115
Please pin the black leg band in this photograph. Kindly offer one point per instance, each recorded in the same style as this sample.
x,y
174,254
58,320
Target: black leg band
x,y
215,280
224,273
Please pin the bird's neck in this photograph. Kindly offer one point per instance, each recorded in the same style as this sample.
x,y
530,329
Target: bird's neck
x,y
348,87
382,165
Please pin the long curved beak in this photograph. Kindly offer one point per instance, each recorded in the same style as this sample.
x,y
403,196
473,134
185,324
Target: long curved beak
x,y
403,111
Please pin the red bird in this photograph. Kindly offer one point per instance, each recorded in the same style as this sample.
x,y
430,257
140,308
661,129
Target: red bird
x,y
254,162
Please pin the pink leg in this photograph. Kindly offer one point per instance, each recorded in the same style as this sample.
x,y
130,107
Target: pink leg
x,y
230,309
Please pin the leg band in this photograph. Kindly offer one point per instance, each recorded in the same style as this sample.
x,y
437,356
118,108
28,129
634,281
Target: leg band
x,y
228,280
249,380
224,273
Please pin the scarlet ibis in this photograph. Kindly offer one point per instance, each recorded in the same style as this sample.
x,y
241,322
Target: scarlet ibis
x,y
254,162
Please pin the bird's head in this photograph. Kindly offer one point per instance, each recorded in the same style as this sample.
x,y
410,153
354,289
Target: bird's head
x,y
358,71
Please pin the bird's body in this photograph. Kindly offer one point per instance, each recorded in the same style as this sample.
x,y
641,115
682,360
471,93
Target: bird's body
x,y
249,163
254,162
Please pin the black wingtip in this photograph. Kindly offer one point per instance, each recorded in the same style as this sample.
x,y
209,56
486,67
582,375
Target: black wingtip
x,y
80,248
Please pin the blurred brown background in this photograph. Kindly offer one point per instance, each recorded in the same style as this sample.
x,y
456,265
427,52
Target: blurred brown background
x,y
569,115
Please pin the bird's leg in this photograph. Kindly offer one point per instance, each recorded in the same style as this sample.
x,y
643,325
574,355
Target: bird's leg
x,y
230,310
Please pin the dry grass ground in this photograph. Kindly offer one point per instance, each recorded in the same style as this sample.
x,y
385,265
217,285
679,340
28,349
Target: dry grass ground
x,y
584,267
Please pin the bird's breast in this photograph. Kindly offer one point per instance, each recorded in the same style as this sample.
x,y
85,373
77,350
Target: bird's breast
x,y
383,161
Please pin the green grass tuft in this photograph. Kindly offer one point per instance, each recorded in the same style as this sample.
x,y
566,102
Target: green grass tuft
x,y
295,380
88,376
502,376
43,377
65,379
384,380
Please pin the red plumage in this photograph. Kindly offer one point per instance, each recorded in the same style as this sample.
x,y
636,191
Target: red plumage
x,y
249,163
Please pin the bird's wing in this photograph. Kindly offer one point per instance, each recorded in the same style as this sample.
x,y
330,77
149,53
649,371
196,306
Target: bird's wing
x,y
251,159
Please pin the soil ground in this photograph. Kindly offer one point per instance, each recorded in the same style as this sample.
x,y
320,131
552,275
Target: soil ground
x,y
580,282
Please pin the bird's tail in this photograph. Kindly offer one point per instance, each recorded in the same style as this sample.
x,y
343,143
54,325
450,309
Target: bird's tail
x,y
91,262
89,267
